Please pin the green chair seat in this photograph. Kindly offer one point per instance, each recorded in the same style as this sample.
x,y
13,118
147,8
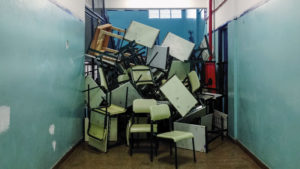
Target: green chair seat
x,y
123,78
112,110
176,135
142,128
97,131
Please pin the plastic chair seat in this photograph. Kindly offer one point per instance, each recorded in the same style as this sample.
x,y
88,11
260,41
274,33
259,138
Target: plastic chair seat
x,y
142,128
123,78
112,110
96,131
176,135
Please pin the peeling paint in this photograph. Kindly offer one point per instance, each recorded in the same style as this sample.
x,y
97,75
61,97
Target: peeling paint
x,y
52,129
4,118
67,44
54,145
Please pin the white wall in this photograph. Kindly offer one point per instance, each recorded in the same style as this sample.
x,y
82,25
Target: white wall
x,y
148,4
97,3
88,3
76,8
233,9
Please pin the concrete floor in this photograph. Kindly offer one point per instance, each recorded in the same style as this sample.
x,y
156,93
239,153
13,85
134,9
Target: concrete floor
x,y
223,155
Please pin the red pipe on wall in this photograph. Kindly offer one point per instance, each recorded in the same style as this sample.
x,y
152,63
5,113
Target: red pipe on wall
x,y
210,28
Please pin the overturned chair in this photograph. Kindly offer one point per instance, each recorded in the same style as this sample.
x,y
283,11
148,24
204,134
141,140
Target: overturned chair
x,y
143,79
101,112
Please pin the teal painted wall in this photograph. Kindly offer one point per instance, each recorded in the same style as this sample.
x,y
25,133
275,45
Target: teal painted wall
x,y
264,84
232,80
40,80
180,27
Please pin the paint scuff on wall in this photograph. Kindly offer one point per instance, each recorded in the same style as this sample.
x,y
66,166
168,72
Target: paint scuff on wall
x,y
4,118
52,129
54,145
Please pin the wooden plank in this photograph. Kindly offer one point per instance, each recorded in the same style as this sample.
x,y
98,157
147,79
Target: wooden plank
x,y
113,35
111,50
118,29
100,41
104,27
115,51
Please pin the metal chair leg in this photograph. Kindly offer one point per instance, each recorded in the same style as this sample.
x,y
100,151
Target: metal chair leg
x,y
156,146
138,140
171,148
175,147
194,150
206,141
151,148
131,144
222,130
108,134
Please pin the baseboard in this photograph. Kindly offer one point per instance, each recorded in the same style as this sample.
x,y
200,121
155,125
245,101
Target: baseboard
x,y
56,166
249,153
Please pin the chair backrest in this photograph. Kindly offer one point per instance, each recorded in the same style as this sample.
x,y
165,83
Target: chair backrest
x,y
160,112
141,75
180,69
97,119
143,105
103,82
194,81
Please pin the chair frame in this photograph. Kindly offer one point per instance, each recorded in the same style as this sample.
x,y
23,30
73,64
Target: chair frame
x,y
171,142
106,123
131,140
136,81
106,113
210,102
